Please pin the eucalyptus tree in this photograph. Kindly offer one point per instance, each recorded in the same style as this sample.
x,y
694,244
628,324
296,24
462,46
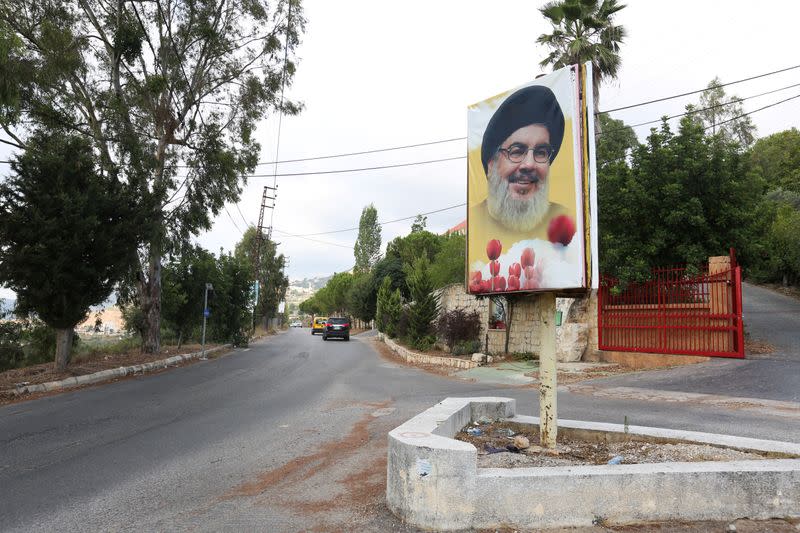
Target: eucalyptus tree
x,y
168,91
725,116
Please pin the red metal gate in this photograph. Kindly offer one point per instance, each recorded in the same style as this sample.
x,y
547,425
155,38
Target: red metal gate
x,y
675,312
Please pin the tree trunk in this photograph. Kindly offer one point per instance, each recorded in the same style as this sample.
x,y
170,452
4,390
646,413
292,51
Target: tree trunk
x,y
151,305
63,347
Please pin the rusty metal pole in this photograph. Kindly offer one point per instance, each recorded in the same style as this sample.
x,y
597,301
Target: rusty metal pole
x,y
548,417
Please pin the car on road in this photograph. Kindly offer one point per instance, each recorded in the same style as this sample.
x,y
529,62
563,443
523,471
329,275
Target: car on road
x,y
318,325
296,324
337,326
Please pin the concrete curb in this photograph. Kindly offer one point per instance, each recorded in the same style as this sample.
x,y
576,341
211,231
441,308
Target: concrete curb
x,y
433,481
411,356
112,373
757,405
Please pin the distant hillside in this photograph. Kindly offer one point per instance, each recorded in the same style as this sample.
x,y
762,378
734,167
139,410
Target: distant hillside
x,y
310,283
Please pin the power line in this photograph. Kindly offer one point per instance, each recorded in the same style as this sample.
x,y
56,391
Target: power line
x,y
753,111
356,169
728,120
697,91
379,223
693,111
365,151
232,221
313,240
246,223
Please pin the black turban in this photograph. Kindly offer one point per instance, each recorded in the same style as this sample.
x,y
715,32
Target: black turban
x,y
535,104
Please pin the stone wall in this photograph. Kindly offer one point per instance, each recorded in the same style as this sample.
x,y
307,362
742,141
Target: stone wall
x,y
410,356
525,326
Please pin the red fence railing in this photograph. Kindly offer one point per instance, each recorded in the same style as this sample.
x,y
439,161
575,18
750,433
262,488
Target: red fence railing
x,y
676,312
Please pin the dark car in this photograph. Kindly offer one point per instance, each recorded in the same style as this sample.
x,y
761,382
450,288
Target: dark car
x,y
337,326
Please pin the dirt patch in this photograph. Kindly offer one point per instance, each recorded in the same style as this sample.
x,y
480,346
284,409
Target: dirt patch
x,y
388,354
499,446
354,467
302,468
565,378
752,347
44,373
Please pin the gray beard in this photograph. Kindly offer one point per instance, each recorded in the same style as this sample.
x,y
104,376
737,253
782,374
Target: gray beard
x,y
517,215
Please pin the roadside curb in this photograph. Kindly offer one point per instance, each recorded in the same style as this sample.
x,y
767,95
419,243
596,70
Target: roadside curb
x,y
411,356
111,373
760,406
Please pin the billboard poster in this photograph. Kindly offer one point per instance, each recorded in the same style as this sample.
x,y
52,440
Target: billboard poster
x,y
527,189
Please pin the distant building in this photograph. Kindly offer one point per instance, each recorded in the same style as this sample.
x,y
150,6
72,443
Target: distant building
x,y
458,229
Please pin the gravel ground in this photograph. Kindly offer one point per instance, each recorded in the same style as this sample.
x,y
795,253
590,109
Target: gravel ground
x,y
496,436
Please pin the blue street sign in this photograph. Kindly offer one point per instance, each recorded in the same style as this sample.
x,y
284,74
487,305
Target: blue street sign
x,y
206,312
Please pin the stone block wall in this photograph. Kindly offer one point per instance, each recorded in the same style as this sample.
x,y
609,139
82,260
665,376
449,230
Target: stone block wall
x,y
524,336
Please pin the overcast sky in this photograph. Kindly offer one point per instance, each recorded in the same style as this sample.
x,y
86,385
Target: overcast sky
x,y
382,74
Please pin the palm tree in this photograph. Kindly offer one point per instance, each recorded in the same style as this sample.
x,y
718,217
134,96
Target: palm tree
x,y
584,30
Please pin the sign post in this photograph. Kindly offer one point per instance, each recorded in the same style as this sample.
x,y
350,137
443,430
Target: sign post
x,y
206,314
548,417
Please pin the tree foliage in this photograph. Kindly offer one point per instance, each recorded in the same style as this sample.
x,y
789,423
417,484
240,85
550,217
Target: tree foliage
x,y
776,158
389,308
362,297
169,92
784,242
424,305
184,280
273,283
367,249
449,263
67,233
185,277
584,30
724,115
684,197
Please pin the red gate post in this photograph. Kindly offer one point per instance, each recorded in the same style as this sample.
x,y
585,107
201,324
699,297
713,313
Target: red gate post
x,y
737,290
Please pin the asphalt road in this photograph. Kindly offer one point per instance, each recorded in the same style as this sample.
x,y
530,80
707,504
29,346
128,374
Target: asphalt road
x,y
768,316
289,435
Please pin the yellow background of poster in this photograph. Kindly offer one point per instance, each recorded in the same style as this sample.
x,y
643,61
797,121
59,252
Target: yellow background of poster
x,y
563,266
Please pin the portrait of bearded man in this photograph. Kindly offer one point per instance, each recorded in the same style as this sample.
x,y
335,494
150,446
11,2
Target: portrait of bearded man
x,y
520,144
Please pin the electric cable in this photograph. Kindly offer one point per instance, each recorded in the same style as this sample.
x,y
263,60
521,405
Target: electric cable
x,y
693,111
697,91
753,111
246,223
320,172
349,247
382,223
233,221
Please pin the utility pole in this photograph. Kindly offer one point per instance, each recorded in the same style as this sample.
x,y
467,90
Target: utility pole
x,y
267,202
209,287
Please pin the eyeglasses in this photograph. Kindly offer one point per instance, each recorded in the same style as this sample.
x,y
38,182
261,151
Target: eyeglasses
x,y
517,153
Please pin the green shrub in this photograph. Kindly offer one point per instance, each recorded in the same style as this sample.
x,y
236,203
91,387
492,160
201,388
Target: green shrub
x,y
11,353
423,344
466,347
41,343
